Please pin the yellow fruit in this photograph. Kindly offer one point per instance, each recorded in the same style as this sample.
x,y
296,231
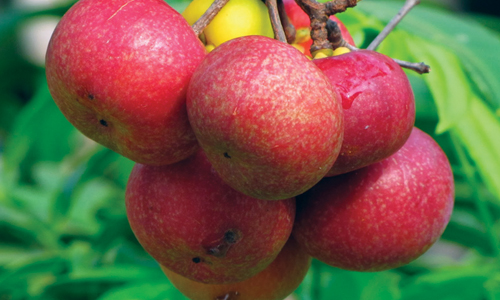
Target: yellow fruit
x,y
195,10
237,18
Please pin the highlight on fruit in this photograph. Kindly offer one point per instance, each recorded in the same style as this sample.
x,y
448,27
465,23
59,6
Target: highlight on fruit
x,y
260,141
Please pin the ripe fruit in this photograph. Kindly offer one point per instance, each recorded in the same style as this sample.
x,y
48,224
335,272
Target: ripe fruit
x,y
275,282
379,107
188,220
266,116
382,216
118,70
302,25
237,18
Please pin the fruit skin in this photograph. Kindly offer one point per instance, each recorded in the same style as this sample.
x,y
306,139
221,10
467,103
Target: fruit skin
x,y
302,24
275,282
382,216
379,107
237,18
266,116
187,219
118,70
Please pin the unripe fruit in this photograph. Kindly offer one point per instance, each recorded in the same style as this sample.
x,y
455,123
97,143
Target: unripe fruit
x,y
237,18
118,70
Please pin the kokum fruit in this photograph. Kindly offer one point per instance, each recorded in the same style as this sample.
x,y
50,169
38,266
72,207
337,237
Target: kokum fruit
x,y
275,282
237,18
119,69
190,221
379,107
382,216
266,116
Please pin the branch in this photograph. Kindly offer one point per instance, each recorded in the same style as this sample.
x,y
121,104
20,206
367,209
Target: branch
x,y
409,4
274,15
319,15
208,16
285,22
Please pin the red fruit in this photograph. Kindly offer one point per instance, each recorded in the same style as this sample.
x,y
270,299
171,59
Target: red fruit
x,y
119,70
266,116
379,107
188,220
275,282
382,216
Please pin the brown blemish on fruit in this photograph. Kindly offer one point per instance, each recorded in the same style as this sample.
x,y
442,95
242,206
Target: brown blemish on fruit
x,y
226,155
91,96
103,123
231,237
229,296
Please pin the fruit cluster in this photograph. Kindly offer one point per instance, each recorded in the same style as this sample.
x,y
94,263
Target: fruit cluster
x,y
251,156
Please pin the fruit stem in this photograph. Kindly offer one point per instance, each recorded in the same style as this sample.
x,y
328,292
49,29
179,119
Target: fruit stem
x,y
409,4
318,14
274,14
285,22
208,16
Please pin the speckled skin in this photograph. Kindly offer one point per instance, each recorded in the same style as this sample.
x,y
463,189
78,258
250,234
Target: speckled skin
x,y
382,216
266,116
275,282
181,211
379,107
119,69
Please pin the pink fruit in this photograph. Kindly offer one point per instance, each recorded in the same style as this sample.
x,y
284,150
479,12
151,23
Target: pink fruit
x,y
382,216
266,116
191,222
119,70
379,107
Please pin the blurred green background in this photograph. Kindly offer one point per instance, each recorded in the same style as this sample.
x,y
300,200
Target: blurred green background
x,y
63,229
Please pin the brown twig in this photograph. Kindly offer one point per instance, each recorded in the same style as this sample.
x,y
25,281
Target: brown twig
x,y
319,13
279,33
285,22
208,16
420,68
409,4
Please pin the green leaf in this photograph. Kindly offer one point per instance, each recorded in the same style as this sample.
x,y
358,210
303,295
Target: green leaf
x,y
479,130
446,81
475,46
155,290
456,283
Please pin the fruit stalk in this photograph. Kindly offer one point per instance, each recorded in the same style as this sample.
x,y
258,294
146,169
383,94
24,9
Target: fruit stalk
x,y
208,16
274,15
319,13
409,4
285,22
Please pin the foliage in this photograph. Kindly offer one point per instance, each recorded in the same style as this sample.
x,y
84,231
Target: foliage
x,y
63,230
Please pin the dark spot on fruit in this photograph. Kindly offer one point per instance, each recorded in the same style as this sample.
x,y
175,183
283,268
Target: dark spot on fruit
x,y
231,237
103,123
197,260
226,155
91,96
